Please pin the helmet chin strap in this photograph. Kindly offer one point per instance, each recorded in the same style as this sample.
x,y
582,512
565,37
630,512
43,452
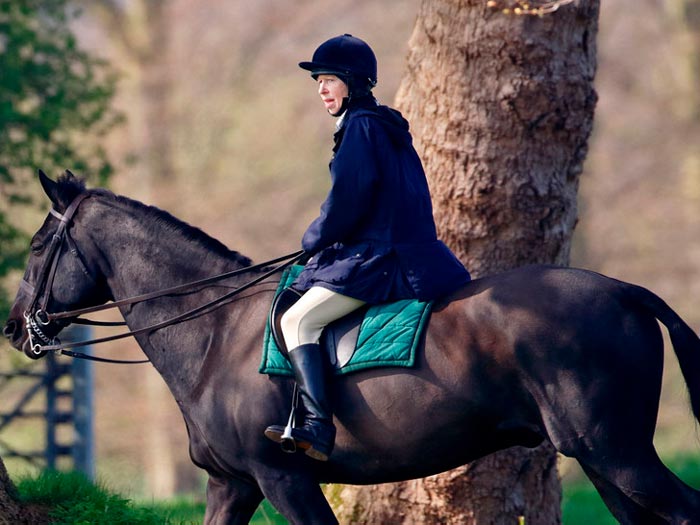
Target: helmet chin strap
x,y
341,109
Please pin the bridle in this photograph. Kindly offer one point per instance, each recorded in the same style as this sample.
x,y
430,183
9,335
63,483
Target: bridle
x,y
37,318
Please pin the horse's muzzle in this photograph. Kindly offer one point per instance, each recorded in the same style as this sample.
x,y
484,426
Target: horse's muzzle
x,y
13,332
19,339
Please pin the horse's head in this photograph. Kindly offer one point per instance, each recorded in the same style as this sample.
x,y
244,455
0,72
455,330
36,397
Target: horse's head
x,y
61,273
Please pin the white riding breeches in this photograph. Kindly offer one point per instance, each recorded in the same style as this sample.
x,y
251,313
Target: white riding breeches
x,y
318,307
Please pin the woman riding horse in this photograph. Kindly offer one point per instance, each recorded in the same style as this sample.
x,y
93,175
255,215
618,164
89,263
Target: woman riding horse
x,y
375,240
537,353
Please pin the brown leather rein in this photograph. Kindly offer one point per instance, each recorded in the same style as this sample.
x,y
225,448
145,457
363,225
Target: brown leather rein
x,y
35,317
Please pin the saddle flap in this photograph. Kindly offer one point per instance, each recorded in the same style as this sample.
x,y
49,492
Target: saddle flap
x,y
340,337
374,336
283,301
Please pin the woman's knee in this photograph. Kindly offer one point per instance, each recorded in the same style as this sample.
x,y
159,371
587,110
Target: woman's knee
x,y
304,322
299,329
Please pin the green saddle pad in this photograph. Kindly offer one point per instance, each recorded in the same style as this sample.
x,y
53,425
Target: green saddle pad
x,y
389,335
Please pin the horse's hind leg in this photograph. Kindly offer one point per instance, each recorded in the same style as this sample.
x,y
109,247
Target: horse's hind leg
x,y
622,508
599,406
231,501
639,489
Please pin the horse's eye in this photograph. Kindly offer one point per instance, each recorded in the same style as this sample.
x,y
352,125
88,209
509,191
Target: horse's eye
x,y
37,247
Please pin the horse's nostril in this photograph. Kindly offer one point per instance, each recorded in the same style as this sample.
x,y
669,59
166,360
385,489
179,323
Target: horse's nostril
x,y
10,329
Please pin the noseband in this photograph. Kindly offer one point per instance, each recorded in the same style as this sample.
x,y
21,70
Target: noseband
x,y
36,316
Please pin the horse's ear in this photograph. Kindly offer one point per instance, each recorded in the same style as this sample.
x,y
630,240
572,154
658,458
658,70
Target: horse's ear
x,y
50,187
70,175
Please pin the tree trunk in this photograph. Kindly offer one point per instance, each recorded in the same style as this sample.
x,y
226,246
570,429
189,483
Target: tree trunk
x,y
685,17
143,31
12,511
501,108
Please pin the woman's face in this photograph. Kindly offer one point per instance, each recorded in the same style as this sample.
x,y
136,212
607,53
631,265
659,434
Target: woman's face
x,y
332,91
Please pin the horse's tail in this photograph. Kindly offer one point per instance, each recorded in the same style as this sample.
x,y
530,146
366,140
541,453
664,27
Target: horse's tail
x,y
685,341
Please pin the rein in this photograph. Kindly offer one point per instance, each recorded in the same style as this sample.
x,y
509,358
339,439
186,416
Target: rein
x,y
186,287
36,318
61,348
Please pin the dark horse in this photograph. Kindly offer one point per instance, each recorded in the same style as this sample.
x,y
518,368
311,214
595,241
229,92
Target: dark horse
x,y
538,353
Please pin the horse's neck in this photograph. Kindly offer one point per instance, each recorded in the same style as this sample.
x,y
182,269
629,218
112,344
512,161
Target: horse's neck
x,y
145,255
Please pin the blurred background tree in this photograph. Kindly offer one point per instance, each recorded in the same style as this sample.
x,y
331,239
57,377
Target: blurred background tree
x,y
52,96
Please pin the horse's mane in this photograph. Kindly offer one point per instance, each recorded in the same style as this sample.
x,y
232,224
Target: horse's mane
x,y
69,187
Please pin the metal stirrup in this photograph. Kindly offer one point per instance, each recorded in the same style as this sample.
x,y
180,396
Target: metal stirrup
x,y
288,444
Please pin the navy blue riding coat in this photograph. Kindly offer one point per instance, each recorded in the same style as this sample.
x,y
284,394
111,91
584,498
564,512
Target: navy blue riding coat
x,y
375,239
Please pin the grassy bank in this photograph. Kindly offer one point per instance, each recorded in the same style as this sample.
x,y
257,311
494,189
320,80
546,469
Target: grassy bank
x,y
76,501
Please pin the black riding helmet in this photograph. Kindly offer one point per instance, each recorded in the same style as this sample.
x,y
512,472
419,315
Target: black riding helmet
x,y
348,58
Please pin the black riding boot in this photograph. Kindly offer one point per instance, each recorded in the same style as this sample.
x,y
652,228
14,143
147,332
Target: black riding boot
x,y
317,435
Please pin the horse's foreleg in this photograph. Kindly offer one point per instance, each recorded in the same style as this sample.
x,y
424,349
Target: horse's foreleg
x,y
231,501
298,497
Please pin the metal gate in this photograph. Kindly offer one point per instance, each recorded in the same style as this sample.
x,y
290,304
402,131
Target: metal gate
x,y
57,392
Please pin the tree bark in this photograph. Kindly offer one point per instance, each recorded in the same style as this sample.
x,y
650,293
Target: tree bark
x,y
685,17
501,108
14,512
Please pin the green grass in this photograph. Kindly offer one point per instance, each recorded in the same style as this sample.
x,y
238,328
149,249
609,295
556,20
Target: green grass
x,y
179,511
581,505
188,512
74,500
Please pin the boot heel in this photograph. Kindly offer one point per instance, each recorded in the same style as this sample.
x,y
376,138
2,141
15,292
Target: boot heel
x,y
316,454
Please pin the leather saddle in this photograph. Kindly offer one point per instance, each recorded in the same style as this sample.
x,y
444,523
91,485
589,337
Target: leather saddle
x,y
339,339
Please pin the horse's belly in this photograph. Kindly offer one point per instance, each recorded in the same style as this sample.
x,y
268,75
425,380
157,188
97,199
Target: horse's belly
x,y
400,461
